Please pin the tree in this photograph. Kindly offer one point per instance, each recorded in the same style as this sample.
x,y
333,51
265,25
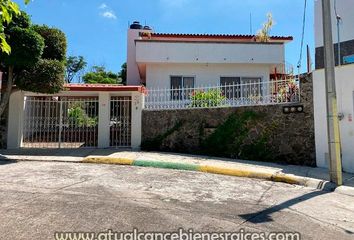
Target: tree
x,y
123,74
74,65
8,10
99,75
26,65
263,34
55,42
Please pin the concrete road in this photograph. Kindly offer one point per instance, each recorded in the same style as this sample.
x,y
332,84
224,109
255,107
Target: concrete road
x,y
39,199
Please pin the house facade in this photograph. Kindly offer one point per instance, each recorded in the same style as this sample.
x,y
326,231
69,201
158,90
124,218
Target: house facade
x,y
173,61
344,35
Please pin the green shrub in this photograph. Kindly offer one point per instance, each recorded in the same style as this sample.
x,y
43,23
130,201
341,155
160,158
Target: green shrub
x,y
47,76
209,98
78,117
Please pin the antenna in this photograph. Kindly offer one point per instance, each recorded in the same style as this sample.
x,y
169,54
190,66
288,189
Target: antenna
x,y
251,27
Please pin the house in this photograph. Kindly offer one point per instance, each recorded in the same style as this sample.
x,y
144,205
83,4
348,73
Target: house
x,y
174,61
343,34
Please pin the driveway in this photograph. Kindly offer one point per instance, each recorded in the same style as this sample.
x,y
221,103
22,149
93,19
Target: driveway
x,y
38,199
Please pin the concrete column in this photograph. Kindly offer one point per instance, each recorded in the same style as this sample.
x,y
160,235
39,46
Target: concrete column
x,y
103,120
137,107
15,120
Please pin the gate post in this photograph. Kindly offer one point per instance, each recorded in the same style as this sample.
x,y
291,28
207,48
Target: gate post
x,y
103,119
15,120
137,108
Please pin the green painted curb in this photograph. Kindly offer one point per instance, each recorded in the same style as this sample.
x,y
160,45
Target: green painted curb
x,y
167,165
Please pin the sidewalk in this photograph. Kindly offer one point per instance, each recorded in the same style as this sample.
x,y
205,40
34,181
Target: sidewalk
x,y
313,177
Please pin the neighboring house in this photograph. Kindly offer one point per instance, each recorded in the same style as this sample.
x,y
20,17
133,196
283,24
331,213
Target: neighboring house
x,y
344,82
165,61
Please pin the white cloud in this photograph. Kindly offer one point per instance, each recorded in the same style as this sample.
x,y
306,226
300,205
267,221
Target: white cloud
x,y
109,14
106,11
103,6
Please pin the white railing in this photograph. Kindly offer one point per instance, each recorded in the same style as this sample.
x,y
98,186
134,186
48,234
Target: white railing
x,y
250,93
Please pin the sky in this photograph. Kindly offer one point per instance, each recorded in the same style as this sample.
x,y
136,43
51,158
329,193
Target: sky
x,y
97,29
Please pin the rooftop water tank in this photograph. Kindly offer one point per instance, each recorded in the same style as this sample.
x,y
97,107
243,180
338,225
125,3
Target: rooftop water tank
x,y
136,25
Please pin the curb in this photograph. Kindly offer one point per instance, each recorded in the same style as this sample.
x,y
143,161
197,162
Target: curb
x,y
236,172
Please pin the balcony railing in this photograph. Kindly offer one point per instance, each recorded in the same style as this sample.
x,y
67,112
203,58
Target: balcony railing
x,y
234,95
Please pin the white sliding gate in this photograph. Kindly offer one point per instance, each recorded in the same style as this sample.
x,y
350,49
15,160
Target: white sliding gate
x,y
60,122
120,121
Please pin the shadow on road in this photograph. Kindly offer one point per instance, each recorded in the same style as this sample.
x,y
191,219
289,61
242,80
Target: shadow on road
x,y
265,215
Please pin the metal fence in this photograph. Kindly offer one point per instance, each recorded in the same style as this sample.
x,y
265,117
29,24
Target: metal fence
x,y
60,122
120,122
233,95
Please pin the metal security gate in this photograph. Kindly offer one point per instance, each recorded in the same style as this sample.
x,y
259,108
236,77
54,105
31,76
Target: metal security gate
x,y
120,122
60,122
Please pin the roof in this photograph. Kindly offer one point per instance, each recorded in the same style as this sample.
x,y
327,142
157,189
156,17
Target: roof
x,y
103,88
213,37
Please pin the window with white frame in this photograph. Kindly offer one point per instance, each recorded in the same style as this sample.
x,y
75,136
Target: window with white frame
x,y
241,87
181,87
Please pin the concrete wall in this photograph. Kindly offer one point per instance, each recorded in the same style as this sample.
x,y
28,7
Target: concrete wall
x,y
345,95
345,9
291,136
158,75
187,52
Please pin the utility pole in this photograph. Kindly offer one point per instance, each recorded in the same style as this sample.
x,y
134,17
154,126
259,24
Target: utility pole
x,y
334,146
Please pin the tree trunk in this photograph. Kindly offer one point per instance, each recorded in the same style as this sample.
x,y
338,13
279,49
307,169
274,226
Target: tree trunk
x,y
5,98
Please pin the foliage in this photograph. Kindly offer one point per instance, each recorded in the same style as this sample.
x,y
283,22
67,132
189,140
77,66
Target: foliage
x,y
123,73
78,117
288,92
209,98
8,11
47,76
263,34
74,65
238,137
27,48
156,142
99,75
55,42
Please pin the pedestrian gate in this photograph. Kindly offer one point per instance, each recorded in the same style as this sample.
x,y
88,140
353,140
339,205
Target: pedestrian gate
x,y
120,122
60,122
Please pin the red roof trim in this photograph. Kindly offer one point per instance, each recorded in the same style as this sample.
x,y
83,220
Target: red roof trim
x,y
217,36
103,88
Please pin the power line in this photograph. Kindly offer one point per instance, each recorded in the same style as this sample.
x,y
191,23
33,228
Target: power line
x,y
303,36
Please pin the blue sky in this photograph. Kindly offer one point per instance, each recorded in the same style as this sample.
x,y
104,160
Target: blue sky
x,y
96,29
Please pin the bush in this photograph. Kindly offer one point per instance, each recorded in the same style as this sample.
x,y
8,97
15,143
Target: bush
x,y
47,76
209,98
78,117
55,42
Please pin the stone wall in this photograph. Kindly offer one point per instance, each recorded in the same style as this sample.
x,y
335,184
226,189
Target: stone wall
x,y
270,135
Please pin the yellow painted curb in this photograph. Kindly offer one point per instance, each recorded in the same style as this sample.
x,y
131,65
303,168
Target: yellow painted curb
x,y
108,160
235,172
287,179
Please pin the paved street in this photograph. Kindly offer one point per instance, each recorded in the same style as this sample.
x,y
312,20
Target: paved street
x,y
38,199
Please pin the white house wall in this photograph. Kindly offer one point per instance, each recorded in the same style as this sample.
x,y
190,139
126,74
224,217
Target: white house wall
x,y
345,9
158,75
183,52
345,96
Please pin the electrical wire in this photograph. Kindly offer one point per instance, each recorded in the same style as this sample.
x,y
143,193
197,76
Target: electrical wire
x,y
302,36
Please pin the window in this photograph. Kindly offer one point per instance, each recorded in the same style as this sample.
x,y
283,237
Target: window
x,y
230,87
181,87
240,87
